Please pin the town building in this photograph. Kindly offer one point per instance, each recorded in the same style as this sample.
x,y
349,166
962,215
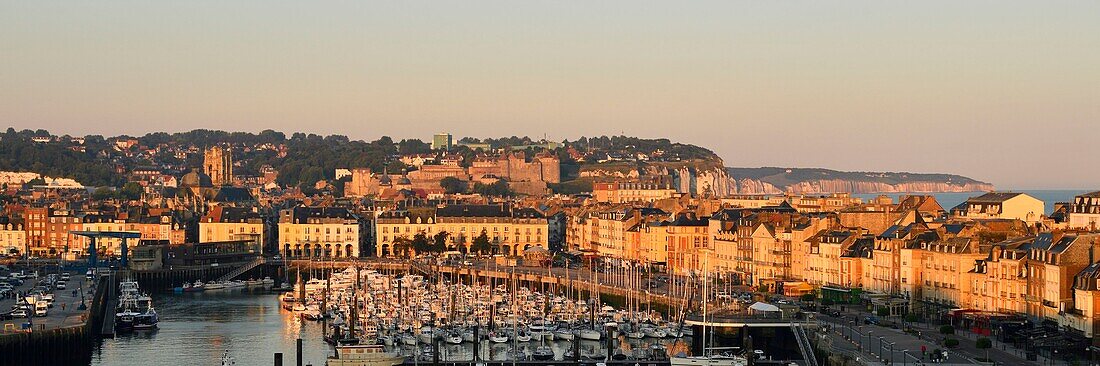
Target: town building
x,y
232,224
318,232
509,230
13,237
442,141
632,192
1001,205
1084,211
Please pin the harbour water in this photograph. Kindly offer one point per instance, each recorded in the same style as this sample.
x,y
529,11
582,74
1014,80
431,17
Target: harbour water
x,y
197,328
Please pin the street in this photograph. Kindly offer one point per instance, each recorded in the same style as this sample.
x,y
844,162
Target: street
x,y
65,311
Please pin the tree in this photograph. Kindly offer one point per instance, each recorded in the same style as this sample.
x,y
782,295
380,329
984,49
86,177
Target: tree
x,y
440,241
496,189
810,297
883,311
481,243
131,191
912,317
947,330
420,243
401,246
453,185
986,344
103,193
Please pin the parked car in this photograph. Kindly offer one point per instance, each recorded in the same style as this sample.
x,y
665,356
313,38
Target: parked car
x,y
41,309
19,313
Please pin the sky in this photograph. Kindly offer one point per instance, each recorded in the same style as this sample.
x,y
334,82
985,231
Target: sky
x,y
1001,91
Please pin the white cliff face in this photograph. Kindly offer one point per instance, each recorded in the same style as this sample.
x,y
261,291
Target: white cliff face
x,y
717,183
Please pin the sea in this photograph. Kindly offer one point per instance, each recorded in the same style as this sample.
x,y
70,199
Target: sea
x,y
952,199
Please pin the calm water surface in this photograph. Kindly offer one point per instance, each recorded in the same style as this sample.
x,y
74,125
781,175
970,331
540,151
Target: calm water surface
x,y
196,328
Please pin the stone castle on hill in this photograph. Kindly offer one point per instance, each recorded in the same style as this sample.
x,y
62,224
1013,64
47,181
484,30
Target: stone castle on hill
x,y
524,174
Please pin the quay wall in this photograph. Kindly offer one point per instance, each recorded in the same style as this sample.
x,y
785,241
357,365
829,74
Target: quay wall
x,y
57,346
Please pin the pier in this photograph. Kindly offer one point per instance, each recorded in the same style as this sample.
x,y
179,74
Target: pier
x,y
65,336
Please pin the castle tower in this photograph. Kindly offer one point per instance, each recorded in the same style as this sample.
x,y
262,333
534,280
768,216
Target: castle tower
x,y
218,164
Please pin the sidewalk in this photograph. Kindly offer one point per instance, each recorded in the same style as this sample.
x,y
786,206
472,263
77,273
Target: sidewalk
x,y
1001,353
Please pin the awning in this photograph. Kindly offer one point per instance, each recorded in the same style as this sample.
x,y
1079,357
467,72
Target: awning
x,y
767,308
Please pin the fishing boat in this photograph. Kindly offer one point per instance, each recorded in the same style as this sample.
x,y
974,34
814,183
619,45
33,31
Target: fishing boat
x,y
135,309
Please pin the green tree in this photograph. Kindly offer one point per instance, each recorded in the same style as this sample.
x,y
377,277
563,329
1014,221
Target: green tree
x,y
481,244
810,297
947,330
496,189
912,317
453,185
131,191
401,246
883,311
103,193
984,343
420,243
440,241
950,342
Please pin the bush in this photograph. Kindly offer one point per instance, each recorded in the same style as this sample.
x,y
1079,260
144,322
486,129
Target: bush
x,y
983,343
947,329
950,342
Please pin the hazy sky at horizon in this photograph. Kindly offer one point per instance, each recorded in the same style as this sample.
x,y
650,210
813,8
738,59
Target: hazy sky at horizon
x,y
1002,91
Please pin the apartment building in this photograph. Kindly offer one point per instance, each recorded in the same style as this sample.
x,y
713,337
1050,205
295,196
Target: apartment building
x,y
1084,211
318,232
632,192
232,223
1001,205
510,230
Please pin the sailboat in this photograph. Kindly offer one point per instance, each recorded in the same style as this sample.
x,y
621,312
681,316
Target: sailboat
x,y
707,358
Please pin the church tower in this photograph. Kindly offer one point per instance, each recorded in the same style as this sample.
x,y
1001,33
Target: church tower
x,y
218,162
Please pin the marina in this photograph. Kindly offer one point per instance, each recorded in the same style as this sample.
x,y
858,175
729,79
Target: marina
x,y
252,326
435,320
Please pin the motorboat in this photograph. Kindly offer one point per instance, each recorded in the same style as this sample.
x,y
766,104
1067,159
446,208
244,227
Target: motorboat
x,y
543,353
364,355
589,334
497,337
